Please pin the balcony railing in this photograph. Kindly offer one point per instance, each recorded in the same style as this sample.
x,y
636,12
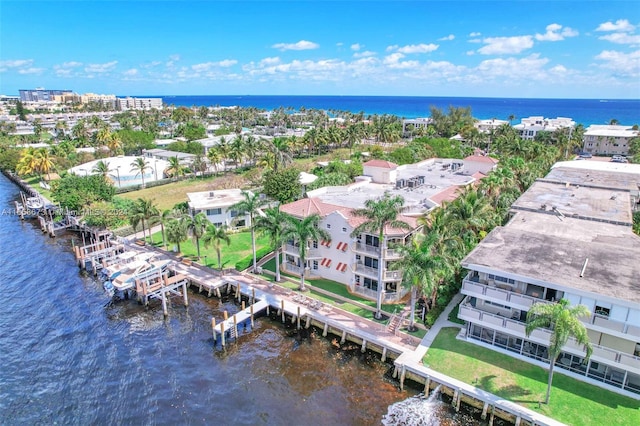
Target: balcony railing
x,y
387,297
294,269
512,326
392,275
295,250
366,248
373,272
524,302
517,300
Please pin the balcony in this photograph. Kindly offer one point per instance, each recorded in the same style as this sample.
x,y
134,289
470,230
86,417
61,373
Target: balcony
x,y
387,275
388,297
498,295
606,325
366,249
511,326
312,253
309,273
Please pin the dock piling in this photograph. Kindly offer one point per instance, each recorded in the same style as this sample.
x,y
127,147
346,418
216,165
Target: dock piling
x,y
298,319
213,328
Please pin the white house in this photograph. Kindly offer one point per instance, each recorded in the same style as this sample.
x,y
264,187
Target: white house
x,y
608,139
216,206
569,237
529,127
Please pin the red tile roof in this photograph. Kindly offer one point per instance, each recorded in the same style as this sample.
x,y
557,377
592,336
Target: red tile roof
x,y
481,159
449,194
381,163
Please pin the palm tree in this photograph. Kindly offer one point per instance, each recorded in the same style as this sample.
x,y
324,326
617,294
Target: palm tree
x,y
114,143
302,231
379,214
175,169
44,162
272,224
564,322
162,219
250,205
28,162
214,157
176,231
216,235
140,165
102,168
143,210
196,226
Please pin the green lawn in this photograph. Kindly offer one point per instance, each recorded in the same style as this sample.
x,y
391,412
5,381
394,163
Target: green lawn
x,y
338,289
239,248
572,402
34,182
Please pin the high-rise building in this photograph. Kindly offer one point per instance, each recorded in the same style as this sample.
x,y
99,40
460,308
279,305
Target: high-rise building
x,y
41,95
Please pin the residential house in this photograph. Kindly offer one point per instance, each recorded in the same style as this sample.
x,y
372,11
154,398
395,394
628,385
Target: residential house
x,y
216,205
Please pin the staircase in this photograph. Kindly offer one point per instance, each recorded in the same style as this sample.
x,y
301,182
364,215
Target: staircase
x,y
396,322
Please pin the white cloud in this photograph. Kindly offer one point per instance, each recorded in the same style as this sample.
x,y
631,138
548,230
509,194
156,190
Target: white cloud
x,y
15,63
556,32
394,61
131,72
475,40
301,45
528,68
365,54
449,37
622,38
627,64
418,48
101,68
620,25
475,34
31,70
270,61
356,46
206,66
471,52
71,64
506,45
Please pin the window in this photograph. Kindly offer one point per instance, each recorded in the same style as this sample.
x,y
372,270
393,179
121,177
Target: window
x,y
233,213
370,283
213,212
315,244
218,224
371,262
370,240
602,311
315,264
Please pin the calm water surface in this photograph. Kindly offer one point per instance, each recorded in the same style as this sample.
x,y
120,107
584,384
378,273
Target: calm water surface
x,y
67,356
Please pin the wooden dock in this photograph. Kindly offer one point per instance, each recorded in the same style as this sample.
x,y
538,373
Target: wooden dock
x,y
161,287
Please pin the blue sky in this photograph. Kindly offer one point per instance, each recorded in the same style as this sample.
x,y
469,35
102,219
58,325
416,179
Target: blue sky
x,y
534,49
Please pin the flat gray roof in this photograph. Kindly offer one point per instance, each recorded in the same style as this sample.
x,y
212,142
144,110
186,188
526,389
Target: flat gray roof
x,y
554,250
597,174
565,199
438,177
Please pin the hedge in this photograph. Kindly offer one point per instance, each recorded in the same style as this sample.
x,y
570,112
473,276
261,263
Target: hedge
x,y
244,263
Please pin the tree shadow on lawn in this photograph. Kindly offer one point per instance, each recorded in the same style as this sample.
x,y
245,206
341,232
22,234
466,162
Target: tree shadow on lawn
x,y
534,372
510,392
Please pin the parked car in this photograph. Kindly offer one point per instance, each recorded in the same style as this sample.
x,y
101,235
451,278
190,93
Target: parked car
x,y
585,155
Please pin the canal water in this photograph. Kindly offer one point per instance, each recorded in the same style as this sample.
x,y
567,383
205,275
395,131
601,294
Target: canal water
x,y
69,356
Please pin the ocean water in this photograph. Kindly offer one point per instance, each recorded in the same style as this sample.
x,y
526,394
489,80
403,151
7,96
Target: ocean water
x,y
68,356
583,111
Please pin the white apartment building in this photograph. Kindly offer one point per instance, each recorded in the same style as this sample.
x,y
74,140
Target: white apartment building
x,y
569,237
138,103
216,205
529,127
608,139
487,126
354,261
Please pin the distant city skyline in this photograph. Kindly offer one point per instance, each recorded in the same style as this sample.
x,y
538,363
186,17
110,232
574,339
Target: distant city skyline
x,y
516,49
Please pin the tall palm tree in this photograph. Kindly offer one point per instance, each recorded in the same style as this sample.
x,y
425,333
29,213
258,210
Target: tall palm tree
x,y
143,210
303,231
163,218
273,225
564,322
196,226
28,162
176,232
250,205
379,214
214,157
140,165
215,236
237,150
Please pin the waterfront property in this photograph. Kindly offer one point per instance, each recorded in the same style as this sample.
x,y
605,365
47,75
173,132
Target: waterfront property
x,y
609,139
354,261
216,205
529,127
569,237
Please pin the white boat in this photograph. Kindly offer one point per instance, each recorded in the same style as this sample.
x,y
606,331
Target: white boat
x,y
128,261
34,203
147,269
